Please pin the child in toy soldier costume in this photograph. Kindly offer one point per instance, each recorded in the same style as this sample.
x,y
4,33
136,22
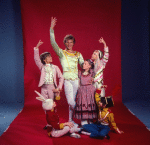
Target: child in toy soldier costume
x,y
105,119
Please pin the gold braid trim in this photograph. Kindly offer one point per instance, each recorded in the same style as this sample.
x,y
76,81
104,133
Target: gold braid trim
x,y
72,54
98,73
100,82
66,53
106,58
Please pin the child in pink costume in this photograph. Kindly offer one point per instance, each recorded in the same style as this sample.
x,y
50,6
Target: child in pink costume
x,y
48,82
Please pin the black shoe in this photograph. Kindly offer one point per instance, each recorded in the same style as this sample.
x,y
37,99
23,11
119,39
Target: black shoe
x,y
45,128
81,130
107,137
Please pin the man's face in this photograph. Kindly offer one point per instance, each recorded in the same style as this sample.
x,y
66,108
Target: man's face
x,y
69,44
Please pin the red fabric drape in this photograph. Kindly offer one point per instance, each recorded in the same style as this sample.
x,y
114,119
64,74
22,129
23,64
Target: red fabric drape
x,y
87,21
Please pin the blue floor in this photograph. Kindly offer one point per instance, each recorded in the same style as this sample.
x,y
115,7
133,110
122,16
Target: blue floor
x,y
141,109
7,115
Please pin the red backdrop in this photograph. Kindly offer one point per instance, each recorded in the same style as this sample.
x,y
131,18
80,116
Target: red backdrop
x,y
87,21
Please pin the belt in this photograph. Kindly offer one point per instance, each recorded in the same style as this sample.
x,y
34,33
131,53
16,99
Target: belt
x,y
102,123
71,79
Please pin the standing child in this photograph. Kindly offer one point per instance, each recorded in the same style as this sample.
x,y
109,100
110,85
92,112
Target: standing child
x,y
85,109
100,61
48,83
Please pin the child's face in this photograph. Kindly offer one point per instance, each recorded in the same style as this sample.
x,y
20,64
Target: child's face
x,y
101,105
48,59
95,55
86,65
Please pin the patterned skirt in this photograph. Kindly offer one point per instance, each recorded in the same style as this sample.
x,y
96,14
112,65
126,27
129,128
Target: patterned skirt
x,y
85,103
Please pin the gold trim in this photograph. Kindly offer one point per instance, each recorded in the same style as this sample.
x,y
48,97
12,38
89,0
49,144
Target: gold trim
x,y
99,73
72,79
75,69
61,125
57,98
100,81
106,58
71,54
49,133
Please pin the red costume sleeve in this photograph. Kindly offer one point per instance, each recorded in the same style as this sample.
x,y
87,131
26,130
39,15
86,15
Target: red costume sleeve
x,y
53,120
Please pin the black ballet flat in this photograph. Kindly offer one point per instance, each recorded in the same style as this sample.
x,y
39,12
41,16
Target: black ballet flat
x,y
45,127
107,137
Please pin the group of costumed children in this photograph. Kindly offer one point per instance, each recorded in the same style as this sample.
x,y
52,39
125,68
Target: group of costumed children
x,y
84,90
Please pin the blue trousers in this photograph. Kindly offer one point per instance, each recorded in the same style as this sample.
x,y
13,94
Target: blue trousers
x,y
97,130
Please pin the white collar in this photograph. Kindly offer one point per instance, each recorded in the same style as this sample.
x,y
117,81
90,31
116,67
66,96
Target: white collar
x,y
48,64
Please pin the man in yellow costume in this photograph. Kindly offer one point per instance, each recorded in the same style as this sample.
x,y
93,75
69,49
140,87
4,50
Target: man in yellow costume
x,y
69,61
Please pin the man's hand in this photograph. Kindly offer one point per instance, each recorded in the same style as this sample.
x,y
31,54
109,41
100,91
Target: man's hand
x,y
39,44
53,22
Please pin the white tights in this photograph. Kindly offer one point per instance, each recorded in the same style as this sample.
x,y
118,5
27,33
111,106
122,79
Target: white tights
x,y
71,88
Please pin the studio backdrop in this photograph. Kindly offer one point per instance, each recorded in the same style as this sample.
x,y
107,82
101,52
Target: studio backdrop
x,y
87,21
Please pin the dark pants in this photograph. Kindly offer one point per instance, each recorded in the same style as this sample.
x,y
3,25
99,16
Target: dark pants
x,y
97,130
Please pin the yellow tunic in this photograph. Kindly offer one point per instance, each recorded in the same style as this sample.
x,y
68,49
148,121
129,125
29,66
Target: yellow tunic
x,y
69,61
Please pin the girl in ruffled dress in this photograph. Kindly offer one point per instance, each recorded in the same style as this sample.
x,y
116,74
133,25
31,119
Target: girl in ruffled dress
x,y
86,109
